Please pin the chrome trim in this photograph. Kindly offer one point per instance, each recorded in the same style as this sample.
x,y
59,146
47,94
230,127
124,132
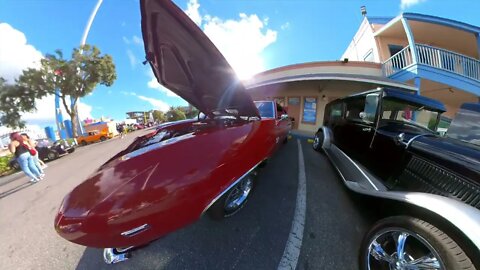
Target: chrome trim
x,y
401,258
414,138
229,187
112,256
359,169
135,230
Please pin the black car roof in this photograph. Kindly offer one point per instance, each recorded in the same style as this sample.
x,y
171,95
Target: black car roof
x,y
407,95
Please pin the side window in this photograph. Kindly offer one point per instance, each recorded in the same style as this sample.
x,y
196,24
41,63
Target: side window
x,y
354,107
335,112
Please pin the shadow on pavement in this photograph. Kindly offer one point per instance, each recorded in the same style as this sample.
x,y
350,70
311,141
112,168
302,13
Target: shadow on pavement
x,y
15,189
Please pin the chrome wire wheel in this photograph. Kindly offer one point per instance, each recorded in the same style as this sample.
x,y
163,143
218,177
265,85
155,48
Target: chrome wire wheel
x,y
401,249
238,195
318,141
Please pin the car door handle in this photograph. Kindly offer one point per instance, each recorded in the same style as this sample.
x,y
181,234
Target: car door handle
x,y
367,129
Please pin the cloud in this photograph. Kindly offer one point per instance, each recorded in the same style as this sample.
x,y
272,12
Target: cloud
x,y
15,53
404,4
240,40
193,13
153,83
128,93
137,40
156,103
131,57
285,26
45,113
134,40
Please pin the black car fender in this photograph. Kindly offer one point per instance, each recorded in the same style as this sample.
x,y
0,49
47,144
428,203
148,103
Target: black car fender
x,y
463,217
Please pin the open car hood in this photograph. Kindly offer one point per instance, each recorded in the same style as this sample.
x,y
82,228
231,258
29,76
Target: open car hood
x,y
185,61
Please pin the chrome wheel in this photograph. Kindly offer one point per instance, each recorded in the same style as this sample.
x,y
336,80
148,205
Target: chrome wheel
x,y
238,195
400,249
318,141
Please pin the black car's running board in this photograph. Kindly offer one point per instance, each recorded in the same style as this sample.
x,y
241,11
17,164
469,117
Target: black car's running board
x,y
352,172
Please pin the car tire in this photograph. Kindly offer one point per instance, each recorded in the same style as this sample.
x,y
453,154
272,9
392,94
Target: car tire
x,y
420,239
103,138
83,143
234,199
318,141
16,166
51,155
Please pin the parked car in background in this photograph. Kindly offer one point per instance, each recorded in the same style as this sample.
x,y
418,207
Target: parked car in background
x,y
93,136
384,143
48,151
171,177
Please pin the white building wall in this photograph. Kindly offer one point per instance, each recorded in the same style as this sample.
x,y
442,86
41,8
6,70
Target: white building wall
x,y
362,44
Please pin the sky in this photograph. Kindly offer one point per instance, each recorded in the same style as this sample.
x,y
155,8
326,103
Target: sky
x,y
253,35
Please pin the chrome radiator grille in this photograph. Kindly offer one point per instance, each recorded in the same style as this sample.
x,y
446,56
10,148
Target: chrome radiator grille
x,y
423,176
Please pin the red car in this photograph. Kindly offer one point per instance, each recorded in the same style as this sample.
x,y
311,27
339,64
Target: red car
x,y
169,178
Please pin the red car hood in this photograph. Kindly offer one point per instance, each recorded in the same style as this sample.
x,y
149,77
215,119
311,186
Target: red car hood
x,y
185,61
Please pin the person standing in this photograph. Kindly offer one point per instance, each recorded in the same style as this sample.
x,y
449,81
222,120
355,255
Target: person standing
x,y
121,130
22,151
38,162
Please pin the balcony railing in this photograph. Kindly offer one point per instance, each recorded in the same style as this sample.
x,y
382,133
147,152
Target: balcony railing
x,y
398,61
434,57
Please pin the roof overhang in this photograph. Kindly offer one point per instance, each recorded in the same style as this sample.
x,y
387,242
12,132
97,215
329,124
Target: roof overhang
x,y
373,80
428,19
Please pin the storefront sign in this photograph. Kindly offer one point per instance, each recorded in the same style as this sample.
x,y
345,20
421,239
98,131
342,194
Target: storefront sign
x,y
310,110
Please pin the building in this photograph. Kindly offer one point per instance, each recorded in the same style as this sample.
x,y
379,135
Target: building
x,y
439,56
305,89
141,117
419,52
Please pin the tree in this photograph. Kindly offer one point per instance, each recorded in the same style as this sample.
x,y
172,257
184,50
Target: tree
x,y
175,114
192,113
159,116
74,78
13,101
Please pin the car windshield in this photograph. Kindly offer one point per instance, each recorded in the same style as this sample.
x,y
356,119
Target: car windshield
x,y
413,114
265,108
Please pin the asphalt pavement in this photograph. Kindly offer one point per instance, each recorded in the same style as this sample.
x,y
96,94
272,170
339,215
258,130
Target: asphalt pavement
x,y
255,238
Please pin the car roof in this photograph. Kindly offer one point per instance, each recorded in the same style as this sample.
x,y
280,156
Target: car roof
x,y
407,95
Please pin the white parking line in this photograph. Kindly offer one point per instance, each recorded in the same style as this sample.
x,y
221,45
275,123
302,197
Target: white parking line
x,y
294,243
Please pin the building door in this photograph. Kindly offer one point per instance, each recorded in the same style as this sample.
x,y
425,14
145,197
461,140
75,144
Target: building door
x,y
293,110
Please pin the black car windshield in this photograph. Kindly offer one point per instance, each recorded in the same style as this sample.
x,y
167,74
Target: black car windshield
x,y
265,108
413,114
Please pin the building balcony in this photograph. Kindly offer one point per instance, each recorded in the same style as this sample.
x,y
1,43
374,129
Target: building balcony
x,y
437,58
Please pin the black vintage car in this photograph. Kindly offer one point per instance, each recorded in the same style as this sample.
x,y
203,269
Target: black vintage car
x,y
48,151
384,144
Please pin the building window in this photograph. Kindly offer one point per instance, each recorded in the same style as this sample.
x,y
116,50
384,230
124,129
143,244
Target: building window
x,y
369,56
309,110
